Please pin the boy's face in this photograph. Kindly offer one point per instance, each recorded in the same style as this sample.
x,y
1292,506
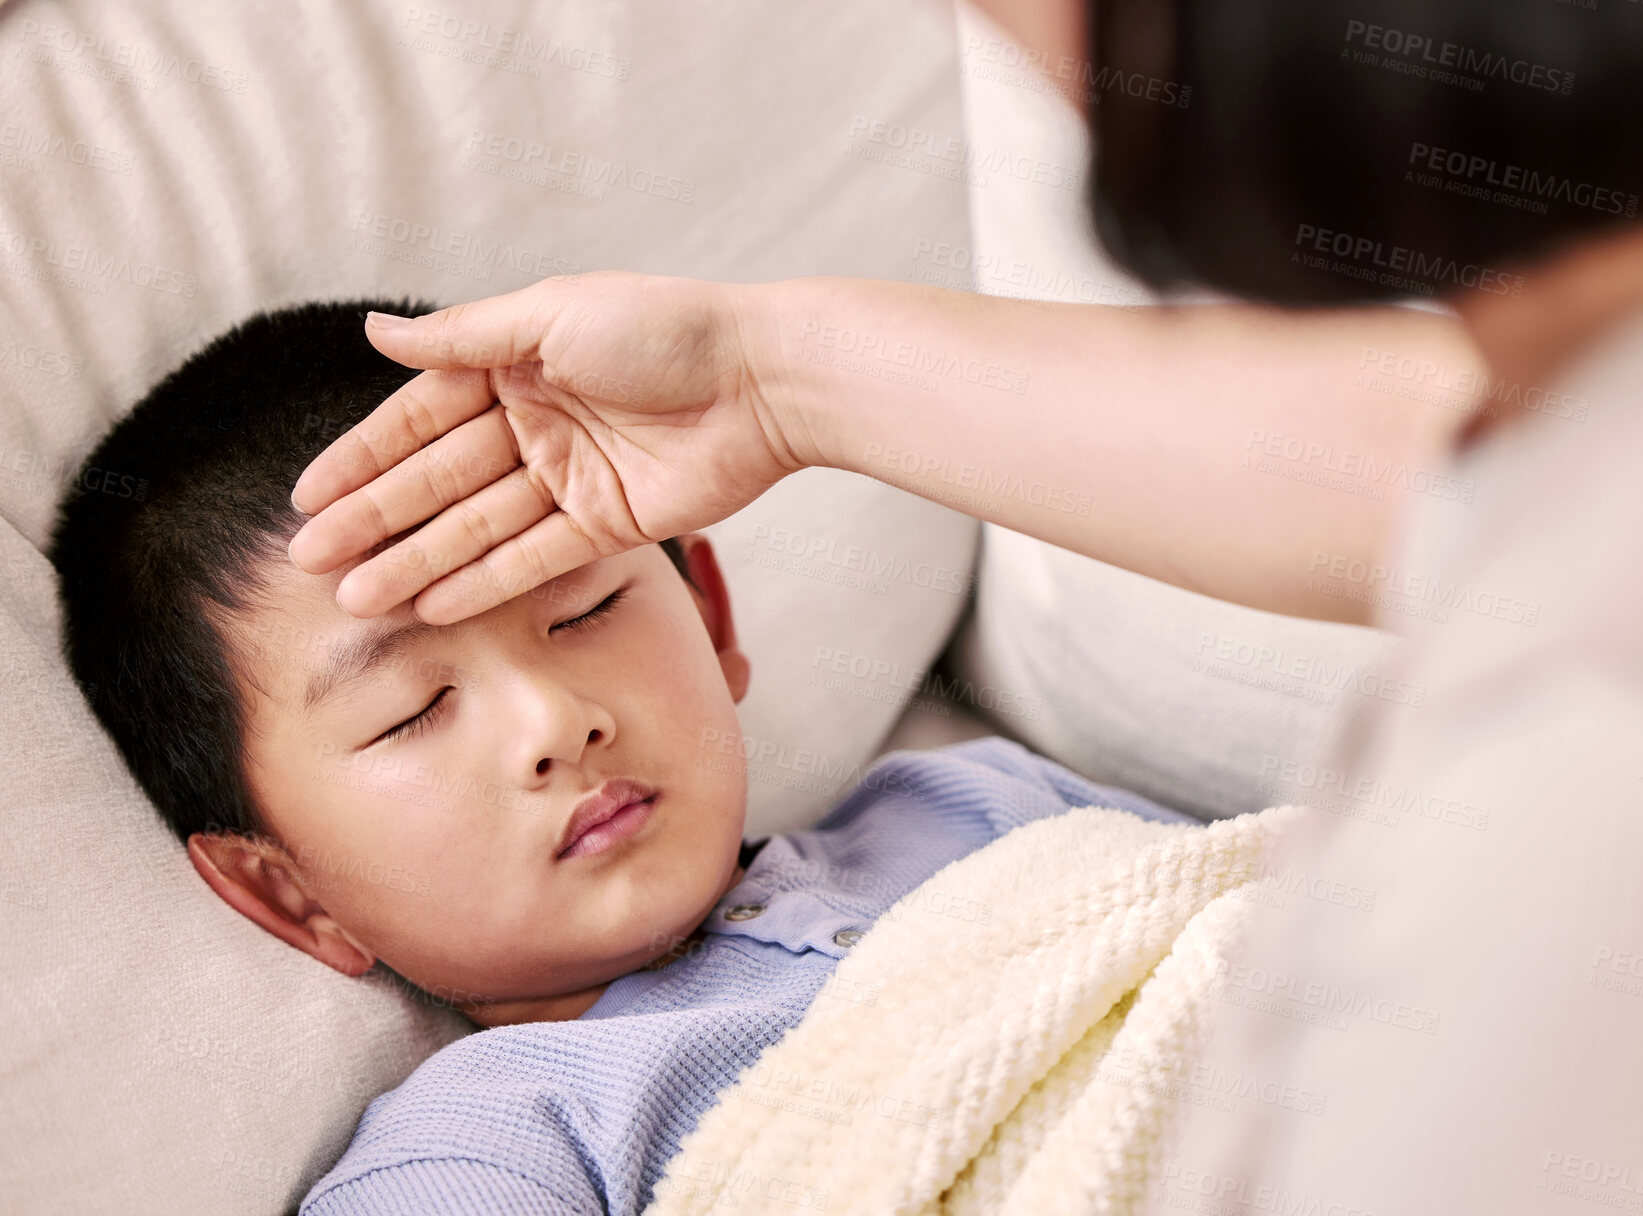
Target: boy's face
x,y
437,848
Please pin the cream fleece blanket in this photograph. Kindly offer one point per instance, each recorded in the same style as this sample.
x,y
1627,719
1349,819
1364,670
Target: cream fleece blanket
x,y
953,1063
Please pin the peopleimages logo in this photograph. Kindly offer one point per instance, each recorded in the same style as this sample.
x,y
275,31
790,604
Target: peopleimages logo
x,y
501,46
1395,265
924,146
1481,172
83,267
1433,56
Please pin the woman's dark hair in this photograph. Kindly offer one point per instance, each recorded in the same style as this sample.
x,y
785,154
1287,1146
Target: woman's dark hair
x,y
1317,151
170,519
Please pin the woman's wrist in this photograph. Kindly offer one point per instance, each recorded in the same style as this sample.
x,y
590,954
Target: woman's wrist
x,y
788,384
845,365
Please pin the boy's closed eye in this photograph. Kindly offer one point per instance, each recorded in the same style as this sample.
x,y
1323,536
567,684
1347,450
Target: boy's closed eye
x,y
430,713
592,614
416,722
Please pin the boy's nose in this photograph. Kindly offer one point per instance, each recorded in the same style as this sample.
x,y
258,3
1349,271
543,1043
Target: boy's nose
x,y
551,725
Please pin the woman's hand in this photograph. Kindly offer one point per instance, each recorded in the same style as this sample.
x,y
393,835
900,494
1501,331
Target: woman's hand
x,y
568,421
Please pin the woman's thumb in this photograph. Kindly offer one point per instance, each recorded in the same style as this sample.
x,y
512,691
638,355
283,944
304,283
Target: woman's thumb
x,y
493,332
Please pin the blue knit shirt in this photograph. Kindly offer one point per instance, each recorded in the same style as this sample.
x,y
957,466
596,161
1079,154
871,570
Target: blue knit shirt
x,y
582,1116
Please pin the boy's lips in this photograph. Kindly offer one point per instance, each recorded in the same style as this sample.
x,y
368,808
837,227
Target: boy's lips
x,y
601,805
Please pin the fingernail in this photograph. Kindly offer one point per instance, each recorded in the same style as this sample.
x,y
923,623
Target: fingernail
x,y
351,580
386,320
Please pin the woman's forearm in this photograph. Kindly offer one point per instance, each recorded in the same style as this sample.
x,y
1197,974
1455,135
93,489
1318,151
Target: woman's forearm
x,y
1236,451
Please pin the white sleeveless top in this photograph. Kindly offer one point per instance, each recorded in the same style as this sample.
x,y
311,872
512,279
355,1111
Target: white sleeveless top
x,y
1477,1031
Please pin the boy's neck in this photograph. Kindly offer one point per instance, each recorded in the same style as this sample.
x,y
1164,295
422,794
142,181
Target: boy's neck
x,y
568,1006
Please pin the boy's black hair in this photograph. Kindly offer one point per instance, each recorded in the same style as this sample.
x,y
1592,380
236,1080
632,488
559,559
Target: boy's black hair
x,y
163,533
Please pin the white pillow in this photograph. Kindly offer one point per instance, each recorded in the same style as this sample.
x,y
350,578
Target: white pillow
x,y
1188,700
172,168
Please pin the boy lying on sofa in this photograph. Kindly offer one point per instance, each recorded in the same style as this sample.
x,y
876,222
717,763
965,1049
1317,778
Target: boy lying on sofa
x,y
545,768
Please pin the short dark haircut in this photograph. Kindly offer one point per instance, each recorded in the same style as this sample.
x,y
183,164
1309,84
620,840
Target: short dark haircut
x,y
1346,150
161,537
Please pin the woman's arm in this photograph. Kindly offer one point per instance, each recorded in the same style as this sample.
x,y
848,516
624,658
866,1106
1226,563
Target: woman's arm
x,y
1229,449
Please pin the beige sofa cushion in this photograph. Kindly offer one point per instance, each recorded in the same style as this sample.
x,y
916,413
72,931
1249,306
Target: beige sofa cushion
x,y
167,169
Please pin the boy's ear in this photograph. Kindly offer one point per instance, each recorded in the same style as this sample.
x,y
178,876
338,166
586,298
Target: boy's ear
x,y
254,878
713,599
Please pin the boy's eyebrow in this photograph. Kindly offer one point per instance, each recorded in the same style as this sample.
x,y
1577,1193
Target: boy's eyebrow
x,y
356,659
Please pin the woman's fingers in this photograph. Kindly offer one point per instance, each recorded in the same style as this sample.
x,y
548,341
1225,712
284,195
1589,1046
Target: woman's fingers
x,y
493,332
472,456
462,532
417,413
540,553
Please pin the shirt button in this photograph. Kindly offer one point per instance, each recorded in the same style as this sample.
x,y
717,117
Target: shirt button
x,y
743,911
847,937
